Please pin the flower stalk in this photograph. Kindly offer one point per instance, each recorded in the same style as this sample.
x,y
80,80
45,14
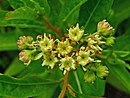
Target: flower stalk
x,y
51,27
64,87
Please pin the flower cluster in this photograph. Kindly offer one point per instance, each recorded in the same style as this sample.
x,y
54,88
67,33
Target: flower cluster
x,y
75,49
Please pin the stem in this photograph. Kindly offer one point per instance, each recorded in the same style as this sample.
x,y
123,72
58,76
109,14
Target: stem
x,y
65,80
1,1
101,56
51,27
78,83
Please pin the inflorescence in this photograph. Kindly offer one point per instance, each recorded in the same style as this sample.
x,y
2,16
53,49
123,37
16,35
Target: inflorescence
x,y
74,49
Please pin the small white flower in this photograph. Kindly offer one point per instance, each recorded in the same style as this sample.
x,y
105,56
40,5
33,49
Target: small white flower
x,y
84,58
75,34
46,44
91,41
50,60
99,48
67,63
64,47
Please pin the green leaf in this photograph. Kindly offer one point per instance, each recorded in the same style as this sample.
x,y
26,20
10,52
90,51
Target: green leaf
x,y
121,48
45,5
15,68
70,11
92,12
112,79
4,5
15,4
119,75
34,5
96,89
54,11
2,14
25,87
8,41
127,26
84,88
117,68
36,68
122,41
82,96
23,24
38,5
49,94
22,13
121,10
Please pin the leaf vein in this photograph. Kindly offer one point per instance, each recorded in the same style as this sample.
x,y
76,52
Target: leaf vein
x,y
92,14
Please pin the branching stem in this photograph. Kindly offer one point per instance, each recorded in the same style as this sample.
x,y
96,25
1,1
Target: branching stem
x,y
101,56
65,84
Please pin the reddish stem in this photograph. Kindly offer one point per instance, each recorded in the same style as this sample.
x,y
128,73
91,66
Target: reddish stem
x,y
65,84
51,27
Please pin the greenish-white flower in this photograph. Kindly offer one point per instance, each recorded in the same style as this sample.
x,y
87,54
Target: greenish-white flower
x,y
75,33
95,40
67,63
98,48
46,44
91,41
84,58
64,47
50,60
95,48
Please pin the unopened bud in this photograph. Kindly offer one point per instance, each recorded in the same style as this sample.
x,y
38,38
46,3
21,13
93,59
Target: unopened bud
x,y
24,42
104,28
110,40
24,57
89,77
101,71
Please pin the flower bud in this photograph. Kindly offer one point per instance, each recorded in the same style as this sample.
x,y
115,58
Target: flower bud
x,y
27,55
110,40
24,42
39,37
104,28
101,71
89,77
24,56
